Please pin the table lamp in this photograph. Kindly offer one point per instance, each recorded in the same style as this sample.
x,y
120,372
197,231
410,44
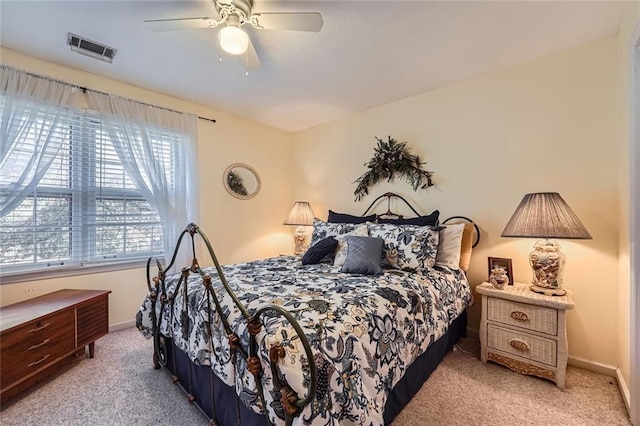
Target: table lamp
x,y
546,215
300,215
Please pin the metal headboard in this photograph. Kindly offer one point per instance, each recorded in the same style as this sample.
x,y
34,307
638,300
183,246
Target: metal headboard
x,y
466,219
390,195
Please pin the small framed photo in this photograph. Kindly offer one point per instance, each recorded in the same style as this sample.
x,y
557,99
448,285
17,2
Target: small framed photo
x,y
505,263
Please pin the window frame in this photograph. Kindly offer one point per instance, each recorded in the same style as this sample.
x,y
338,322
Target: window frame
x,y
75,270
83,191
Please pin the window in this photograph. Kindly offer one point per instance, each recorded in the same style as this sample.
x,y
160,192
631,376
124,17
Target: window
x,y
85,210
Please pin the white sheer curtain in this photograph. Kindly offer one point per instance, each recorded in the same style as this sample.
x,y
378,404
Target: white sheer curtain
x,y
137,131
31,109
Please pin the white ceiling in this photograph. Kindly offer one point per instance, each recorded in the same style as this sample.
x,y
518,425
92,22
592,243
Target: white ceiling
x,y
368,53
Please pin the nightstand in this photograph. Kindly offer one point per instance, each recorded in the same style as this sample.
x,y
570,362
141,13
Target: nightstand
x,y
525,331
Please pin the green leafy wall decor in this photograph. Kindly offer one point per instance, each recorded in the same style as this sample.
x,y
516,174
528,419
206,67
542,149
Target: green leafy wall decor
x,y
392,158
236,184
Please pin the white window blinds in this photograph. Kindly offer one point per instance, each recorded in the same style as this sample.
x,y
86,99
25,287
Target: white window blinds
x,y
86,209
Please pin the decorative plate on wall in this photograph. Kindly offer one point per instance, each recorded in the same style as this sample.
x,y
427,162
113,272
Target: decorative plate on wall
x,y
241,181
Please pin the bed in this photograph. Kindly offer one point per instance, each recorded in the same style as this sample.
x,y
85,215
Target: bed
x,y
276,341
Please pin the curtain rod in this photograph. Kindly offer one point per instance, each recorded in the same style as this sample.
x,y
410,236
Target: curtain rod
x,y
85,90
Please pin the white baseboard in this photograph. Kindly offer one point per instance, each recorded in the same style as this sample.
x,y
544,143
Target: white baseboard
x,y
122,325
607,370
624,389
596,367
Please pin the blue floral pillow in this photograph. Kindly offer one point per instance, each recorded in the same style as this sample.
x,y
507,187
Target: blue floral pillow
x,y
322,230
407,247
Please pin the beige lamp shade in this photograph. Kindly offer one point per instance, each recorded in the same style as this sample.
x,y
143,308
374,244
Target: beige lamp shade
x,y
300,214
545,215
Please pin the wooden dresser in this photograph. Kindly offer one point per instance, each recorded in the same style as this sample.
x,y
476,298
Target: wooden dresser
x,y
525,331
39,334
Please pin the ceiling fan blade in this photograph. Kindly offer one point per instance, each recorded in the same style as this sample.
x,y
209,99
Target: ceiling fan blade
x,y
252,61
161,25
311,21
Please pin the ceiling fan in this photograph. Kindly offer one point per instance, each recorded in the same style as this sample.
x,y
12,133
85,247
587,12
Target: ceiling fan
x,y
233,14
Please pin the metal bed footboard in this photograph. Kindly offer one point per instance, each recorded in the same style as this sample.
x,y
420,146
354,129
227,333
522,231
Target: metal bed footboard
x,y
291,403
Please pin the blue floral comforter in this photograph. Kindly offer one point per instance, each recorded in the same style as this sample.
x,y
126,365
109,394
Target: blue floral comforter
x,y
365,330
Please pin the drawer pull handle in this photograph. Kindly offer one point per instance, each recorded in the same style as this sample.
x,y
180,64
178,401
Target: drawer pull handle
x,y
38,345
519,345
39,327
519,316
39,361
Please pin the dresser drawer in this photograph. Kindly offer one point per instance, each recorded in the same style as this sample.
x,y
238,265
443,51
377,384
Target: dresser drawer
x,y
39,335
35,344
522,315
36,331
524,345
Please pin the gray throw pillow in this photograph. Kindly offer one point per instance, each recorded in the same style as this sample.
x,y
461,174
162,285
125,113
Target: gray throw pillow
x,y
363,255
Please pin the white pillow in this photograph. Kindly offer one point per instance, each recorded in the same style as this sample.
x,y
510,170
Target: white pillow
x,y
341,252
449,245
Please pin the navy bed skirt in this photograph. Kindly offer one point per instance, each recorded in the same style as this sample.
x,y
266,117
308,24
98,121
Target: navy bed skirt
x,y
199,381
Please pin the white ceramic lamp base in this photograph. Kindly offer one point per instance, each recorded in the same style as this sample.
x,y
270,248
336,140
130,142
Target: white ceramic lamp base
x,y
300,244
548,291
547,263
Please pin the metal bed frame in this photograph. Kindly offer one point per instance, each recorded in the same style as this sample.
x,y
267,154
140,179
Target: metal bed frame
x,y
165,353
291,403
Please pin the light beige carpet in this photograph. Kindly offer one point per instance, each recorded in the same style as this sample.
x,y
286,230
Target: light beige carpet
x,y
465,391
120,387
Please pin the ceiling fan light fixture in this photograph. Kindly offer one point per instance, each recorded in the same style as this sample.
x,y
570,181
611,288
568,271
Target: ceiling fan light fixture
x,y
233,40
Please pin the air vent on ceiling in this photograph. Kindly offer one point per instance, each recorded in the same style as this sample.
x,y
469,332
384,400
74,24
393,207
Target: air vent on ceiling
x,y
91,48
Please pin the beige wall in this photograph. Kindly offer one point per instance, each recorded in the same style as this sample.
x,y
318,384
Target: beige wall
x,y
239,230
628,25
547,125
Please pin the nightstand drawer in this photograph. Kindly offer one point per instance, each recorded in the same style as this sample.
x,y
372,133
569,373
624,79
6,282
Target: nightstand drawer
x,y
521,344
522,315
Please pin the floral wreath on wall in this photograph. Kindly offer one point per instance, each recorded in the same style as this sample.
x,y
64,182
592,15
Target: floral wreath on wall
x,y
392,158
236,184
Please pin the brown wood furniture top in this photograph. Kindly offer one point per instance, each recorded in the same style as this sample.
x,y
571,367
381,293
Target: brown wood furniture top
x,y
18,313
